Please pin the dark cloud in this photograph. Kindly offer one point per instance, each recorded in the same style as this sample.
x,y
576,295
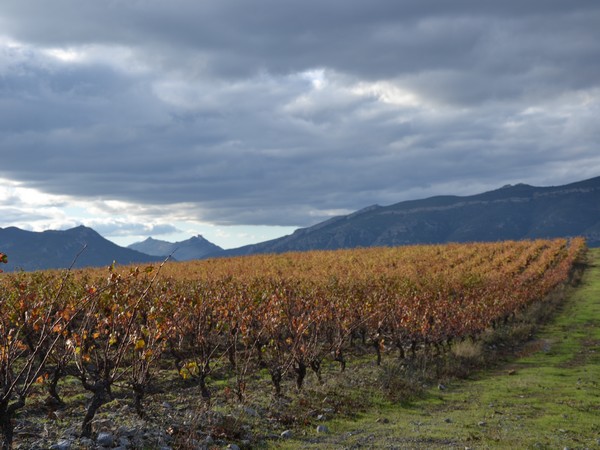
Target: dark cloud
x,y
282,113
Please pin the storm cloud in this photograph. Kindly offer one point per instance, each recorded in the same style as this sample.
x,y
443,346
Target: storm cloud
x,y
284,113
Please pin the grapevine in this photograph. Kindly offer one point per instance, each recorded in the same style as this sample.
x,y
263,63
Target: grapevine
x,y
285,313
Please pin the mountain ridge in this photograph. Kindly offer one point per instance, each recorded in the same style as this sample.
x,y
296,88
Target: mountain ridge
x,y
195,247
511,212
514,212
58,249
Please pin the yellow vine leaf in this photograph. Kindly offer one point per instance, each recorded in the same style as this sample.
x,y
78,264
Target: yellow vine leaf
x,y
140,344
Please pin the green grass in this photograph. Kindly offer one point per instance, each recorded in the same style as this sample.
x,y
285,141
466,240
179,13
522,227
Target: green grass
x,y
548,396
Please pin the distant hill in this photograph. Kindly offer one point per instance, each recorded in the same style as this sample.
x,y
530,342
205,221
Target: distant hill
x,y
511,212
28,250
194,248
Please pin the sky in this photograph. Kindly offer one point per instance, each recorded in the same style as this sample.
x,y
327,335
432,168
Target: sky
x,y
244,120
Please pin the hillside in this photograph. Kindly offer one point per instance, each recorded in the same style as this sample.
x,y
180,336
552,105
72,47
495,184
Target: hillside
x,y
511,212
52,249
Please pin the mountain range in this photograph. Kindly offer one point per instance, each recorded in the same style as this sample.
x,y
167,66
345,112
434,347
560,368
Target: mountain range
x,y
194,248
511,212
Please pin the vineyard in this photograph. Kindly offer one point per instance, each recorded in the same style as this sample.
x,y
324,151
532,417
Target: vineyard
x,y
223,324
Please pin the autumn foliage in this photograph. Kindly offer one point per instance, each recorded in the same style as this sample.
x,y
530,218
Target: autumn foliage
x,y
285,313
